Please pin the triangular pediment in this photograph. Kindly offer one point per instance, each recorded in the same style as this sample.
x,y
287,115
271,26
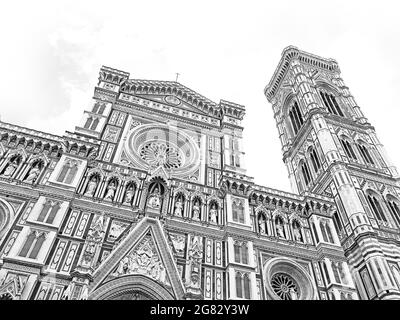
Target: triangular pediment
x,y
144,252
175,102
171,93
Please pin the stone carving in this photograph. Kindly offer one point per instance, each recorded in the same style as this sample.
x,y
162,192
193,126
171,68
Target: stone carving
x,y
144,260
116,229
279,229
94,238
155,199
196,210
195,257
130,192
33,173
178,242
11,167
213,213
110,191
178,208
91,187
297,233
261,224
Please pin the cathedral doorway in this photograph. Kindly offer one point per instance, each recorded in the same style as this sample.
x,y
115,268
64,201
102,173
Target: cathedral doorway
x,y
132,287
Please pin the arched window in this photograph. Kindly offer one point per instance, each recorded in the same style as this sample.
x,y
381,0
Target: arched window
x,y
365,154
68,172
239,289
88,122
331,103
32,245
323,231
328,279
96,107
348,149
48,212
94,124
368,283
396,274
237,211
337,222
329,232
376,207
71,174
243,289
241,252
28,244
315,232
246,286
314,159
295,117
336,273
37,246
393,205
101,109
305,171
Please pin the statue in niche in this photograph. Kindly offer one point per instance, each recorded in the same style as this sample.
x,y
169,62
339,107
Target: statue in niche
x,y
110,191
129,194
91,186
155,199
213,213
297,233
33,173
196,210
178,207
279,229
261,224
11,167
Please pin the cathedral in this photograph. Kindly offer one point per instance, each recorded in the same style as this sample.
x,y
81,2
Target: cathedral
x,y
148,198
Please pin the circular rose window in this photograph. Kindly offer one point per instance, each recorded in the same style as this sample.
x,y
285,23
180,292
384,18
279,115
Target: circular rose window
x,y
151,146
161,154
284,286
285,279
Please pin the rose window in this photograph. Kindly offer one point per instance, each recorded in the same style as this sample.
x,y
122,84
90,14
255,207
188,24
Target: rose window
x,y
150,146
286,279
160,154
284,286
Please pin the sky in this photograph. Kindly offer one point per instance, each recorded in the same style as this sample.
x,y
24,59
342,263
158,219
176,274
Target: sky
x,y
52,51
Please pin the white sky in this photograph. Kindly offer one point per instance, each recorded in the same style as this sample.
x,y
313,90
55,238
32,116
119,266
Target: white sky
x,y
51,53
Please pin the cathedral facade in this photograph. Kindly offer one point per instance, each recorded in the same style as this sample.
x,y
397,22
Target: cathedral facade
x,y
148,198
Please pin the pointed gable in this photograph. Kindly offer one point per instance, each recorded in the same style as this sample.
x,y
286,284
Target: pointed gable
x,y
144,254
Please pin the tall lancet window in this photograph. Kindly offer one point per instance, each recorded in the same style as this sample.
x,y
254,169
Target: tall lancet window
x,y
365,153
305,171
348,149
393,205
314,159
331,104
376,207
295,117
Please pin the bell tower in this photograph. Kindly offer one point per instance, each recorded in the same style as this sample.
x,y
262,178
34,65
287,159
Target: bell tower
x,y
330,148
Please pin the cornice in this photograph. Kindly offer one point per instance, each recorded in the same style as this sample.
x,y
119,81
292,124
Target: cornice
x,y
288,55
